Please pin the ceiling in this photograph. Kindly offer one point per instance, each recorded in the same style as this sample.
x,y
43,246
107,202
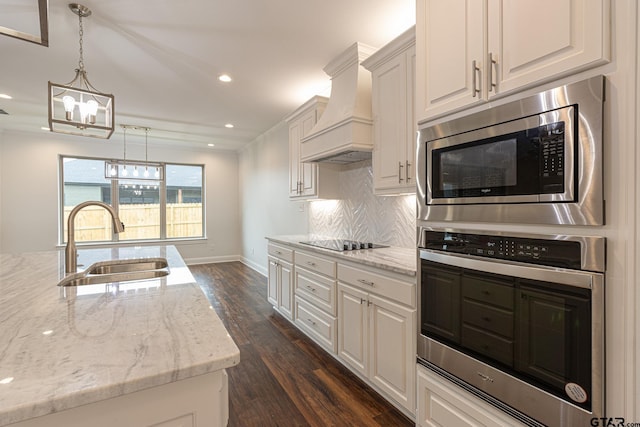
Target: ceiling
x,y
161,59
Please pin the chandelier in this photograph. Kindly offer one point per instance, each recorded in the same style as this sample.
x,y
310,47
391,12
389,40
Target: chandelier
x,y
134,170
77,107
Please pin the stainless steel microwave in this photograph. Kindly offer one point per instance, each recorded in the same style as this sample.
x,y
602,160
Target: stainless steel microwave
x,y
536,160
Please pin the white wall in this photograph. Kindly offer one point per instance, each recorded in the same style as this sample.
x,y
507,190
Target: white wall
x,y
29,190
265,205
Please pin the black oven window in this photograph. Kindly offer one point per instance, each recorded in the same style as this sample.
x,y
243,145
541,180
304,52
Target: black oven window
x,y
537,331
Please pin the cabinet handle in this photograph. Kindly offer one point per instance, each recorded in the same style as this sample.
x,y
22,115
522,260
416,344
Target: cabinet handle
x,y
366,282
474,70
312,289
362,301
369,303
406,170
312,322
399,172
492,63
312,264
279,253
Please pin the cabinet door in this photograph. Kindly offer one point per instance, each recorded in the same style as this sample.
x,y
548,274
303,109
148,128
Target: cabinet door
x,y
286,289
392,350
272,282
308,170
295,134
451,46
533,41
389,96
353,327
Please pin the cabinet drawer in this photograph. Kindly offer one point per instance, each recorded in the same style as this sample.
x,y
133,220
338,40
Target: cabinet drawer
x,y
492,319
397,290
315,263
318,325
280,252
487,290
491,345
317,289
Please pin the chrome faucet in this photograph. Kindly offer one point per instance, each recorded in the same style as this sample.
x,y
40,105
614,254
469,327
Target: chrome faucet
x,y
70,252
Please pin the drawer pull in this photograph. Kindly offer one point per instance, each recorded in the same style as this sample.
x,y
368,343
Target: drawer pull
x,y
312,264
486,319
366,282
312,322
311,288
279,253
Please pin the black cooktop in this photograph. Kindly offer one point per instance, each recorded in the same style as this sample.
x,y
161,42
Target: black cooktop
x,y
343,245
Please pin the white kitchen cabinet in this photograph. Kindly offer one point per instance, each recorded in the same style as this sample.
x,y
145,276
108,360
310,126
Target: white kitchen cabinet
x,y
376,335
393,105
200,401
280,279
315,298
442,403
470,51
304,178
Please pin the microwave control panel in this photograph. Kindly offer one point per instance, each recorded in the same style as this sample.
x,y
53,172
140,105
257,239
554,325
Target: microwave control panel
x,y
555,253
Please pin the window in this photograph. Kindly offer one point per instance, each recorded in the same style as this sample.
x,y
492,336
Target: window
x,y
150,210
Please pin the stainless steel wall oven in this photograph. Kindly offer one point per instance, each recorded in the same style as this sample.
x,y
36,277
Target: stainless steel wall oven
x,y
535,160
517,319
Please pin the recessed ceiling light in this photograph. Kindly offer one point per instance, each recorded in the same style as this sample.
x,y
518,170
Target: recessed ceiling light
x,y
5,96
224,78
228,125
211,145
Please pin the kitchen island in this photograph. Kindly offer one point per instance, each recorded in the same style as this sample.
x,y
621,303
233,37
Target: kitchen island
x,y
149,352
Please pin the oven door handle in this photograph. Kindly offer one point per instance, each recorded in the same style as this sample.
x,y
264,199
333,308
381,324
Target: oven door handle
x,y
581,279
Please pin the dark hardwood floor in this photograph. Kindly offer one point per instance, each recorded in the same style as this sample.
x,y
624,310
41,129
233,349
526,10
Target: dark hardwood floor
x,y
284,378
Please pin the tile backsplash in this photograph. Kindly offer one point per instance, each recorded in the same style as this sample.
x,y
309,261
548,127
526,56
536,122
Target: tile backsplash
x,y
360,215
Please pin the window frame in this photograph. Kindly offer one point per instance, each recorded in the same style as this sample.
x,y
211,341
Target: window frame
x,y
115,202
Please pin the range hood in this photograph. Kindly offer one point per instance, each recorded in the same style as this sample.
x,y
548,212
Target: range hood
x,y
343,134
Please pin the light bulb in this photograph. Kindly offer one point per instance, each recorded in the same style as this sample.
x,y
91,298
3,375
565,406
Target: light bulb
x,y
146,172
113,170
92,109
84,111
135,171
157,174
124,171
69,104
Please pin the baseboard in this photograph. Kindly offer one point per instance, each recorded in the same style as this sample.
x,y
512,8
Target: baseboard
x,y
258,268
229,258
212,260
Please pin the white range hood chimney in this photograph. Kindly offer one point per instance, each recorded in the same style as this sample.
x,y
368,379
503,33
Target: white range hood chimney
x,y
343,134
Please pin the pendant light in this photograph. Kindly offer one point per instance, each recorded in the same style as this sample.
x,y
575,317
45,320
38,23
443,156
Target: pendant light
x,y
77,107
129,170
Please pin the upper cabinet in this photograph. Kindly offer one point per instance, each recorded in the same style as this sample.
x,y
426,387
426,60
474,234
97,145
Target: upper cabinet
x,y
470,51
304,177
393,106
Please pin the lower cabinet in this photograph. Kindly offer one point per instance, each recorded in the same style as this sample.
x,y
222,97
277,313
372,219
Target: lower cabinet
x,y
280,280
376,338
364,316
442,403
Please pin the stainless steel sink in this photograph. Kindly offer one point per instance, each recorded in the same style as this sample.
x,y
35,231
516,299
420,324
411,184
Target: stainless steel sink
x,y
118,271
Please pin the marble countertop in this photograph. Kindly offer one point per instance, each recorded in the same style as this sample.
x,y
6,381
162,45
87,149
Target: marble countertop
x,y
65,347
396,259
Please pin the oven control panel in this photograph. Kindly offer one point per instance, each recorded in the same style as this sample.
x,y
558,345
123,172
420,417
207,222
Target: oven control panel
x,y
556,253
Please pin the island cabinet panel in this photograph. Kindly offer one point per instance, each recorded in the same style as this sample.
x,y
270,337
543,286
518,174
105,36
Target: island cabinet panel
x,y
200,401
